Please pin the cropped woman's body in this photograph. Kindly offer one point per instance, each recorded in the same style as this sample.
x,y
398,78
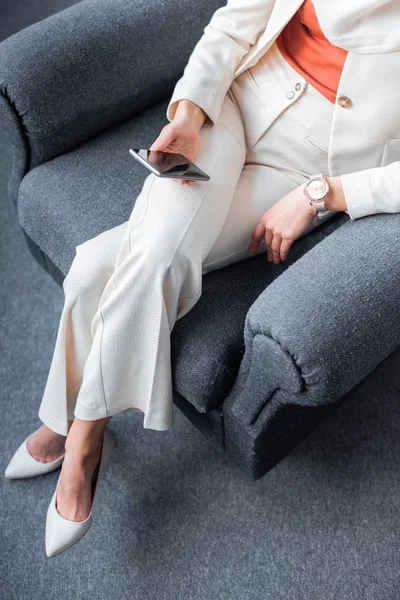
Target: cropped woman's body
x,y
127,286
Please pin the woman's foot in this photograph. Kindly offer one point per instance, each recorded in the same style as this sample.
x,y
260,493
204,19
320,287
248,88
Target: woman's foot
x,y
45,445
83,450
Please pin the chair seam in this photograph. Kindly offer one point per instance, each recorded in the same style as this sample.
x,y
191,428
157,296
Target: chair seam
x,y
268,335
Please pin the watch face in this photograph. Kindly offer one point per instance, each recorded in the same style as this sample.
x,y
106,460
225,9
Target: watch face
x,y
317,189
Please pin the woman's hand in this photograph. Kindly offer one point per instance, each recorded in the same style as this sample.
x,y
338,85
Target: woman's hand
x,y
182,134
282,224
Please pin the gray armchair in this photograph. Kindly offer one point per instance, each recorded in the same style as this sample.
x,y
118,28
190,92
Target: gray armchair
x,y
256,375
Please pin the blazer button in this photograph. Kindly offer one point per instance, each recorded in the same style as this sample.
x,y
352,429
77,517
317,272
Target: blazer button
x,y
344,102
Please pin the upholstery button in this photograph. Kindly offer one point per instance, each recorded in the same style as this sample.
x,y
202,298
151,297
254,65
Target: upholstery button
x,y
298,86
290,95
344,102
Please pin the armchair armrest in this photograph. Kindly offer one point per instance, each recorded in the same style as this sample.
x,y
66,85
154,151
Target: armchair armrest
x,y
323,325
93,65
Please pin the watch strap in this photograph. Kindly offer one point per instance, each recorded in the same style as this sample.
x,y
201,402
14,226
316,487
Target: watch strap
x,y
320,206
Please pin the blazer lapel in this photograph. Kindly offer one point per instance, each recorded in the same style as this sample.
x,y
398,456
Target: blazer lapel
x,y
281,14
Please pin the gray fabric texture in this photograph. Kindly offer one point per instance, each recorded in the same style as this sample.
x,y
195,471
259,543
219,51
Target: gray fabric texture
x,y
74,197
94,65
16,15
18,143
208,342
324,324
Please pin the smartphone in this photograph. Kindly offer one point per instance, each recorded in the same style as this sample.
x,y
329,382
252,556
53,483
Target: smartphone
x,y
169,164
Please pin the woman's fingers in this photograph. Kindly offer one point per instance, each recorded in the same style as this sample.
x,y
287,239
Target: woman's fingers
x,y
256,237
176,138
285,247
184,181
276,247
166,136
269,236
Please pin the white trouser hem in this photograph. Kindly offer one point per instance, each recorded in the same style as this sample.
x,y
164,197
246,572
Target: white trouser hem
x,y
52,422
59,426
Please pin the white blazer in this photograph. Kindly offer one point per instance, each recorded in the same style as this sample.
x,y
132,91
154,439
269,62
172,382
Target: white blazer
x,y
365,138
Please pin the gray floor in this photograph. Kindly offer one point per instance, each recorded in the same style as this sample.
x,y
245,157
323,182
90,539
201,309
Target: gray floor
x,y
173,519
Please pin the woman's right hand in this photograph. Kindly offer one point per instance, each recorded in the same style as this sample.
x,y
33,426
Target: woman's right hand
x,y
181,135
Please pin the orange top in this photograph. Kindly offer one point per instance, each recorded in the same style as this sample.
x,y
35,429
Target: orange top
x,y
307,50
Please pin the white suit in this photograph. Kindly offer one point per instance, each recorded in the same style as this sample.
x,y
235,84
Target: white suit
x,y
365,136
268,130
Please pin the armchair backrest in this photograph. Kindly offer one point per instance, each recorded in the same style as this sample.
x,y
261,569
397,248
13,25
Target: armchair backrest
x,y
93,65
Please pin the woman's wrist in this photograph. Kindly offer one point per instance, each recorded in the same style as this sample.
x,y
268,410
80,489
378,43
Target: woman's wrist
x,y
335,199
188,110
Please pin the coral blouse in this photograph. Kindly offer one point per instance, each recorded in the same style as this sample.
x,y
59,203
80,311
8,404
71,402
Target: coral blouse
x,y
307,50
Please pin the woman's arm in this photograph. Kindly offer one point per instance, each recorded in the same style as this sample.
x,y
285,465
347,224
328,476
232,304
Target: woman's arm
x,y
336,199
366,192
371,191
182,134
227,38
187,110
362,193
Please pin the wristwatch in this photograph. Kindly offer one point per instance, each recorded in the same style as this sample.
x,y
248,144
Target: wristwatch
x,y
316,190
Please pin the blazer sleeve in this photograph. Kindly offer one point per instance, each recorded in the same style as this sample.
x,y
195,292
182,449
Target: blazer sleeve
x,y
372,191
227,38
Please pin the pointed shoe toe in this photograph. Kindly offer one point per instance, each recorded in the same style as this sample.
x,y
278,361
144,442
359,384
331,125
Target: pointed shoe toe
x,y
61,533
23,464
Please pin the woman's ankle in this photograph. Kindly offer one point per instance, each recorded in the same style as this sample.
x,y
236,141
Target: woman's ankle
x,y
85,438
48,435
82,450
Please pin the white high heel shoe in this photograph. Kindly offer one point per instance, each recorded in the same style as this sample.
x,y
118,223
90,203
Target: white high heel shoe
x,y
61,533
23,464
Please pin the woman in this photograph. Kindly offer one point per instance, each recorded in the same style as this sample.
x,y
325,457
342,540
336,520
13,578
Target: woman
x,y
288,106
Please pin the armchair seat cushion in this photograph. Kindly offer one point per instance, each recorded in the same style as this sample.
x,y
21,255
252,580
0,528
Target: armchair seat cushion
x,y
77,195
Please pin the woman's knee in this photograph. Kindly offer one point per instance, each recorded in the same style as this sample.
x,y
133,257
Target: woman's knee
x,y
94,261
89,270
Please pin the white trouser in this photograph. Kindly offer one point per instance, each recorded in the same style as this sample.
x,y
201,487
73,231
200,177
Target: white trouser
x,y
128,285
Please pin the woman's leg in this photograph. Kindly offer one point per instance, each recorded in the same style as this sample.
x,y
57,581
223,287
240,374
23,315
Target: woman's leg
x,y
156,277
279,161
174,235
82,454
83,287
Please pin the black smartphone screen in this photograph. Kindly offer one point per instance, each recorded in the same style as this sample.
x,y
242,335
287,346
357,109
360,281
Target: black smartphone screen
x,y
169,164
